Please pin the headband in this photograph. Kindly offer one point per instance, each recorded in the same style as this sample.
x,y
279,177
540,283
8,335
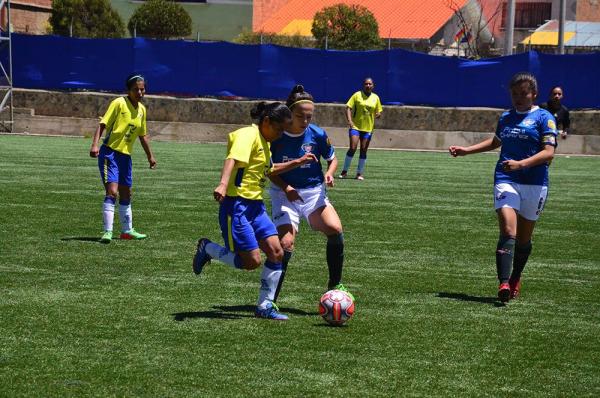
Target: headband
x,y
301,101
136,77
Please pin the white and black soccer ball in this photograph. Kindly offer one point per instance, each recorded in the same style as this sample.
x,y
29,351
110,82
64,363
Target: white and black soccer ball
x,y
336,307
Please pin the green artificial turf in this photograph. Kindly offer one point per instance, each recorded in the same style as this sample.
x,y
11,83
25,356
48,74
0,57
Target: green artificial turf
x,y
80,318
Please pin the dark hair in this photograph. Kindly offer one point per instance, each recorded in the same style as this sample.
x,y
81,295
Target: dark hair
x,y
275,111
555,87
521,77
133,79
298,94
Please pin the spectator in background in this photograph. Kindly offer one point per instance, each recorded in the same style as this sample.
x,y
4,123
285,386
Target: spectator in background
x,y
361,111
560,112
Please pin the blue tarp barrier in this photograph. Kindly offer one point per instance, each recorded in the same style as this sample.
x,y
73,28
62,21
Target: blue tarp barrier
x,y
267,71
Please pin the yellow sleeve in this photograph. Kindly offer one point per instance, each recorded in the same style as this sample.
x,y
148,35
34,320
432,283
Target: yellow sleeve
x,y
378,107
111,114
143,128
240,146
350,103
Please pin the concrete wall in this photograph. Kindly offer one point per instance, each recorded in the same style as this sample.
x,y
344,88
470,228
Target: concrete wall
x,y
195,119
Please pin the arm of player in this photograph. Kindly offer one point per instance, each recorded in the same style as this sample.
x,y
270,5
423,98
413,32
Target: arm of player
x,y
279,168
94,150
488,144
543,156
146,145
289,190
221,189
349,117
329,174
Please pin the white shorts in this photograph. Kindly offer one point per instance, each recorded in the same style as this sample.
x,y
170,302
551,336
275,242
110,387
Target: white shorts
x,y
285,212
527,200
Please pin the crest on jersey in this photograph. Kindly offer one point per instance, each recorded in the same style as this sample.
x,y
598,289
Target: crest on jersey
x,y
551,124
308,147
528,122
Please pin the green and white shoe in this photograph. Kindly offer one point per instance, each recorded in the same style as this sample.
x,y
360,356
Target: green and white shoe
x,y
343,288
132,234
106,237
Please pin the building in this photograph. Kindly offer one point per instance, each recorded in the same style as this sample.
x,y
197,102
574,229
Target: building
x,y
435,22
28,16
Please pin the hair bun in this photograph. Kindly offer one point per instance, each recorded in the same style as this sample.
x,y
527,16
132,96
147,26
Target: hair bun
x,y
298,88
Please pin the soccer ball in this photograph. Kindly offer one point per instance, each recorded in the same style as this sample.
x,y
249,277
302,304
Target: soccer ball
x,y
336,307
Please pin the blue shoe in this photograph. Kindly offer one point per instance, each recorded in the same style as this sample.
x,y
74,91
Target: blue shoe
x,y
201,258
271,312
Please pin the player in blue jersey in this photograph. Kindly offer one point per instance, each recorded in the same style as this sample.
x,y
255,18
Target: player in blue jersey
x,y
301,192
124,120
527,137
245,225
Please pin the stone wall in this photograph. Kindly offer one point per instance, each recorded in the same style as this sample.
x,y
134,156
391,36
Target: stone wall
x,y
209,120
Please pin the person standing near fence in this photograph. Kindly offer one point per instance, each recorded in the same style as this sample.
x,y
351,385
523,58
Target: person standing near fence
x,y
124,120
362,109
527,135
558,110
245,225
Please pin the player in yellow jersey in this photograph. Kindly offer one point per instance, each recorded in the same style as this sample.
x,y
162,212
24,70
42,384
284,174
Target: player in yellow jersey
x,y
124,120
245,225
361,111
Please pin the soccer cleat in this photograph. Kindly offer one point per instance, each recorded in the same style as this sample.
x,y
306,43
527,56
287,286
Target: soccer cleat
x,y
504,292
271,312
515,288
106,237
201,258
359,177
132,234
344,174
344,289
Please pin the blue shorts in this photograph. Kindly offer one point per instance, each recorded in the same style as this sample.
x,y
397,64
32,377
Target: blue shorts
x,y
361,134
114,166
244,222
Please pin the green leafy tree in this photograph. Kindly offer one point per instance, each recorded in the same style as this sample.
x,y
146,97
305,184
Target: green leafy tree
x,y
160,19
86,18
296,40
346,27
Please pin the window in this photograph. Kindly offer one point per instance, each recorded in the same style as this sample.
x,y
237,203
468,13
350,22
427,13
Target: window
x,y
528,15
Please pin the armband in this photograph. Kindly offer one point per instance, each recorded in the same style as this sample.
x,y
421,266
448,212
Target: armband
x,y
549,139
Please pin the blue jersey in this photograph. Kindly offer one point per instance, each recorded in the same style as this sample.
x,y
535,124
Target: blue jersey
x,y
289,147
522,136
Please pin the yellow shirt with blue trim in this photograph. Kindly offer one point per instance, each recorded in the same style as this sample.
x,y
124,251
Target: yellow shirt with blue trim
x,y
364,109
124,124
253,163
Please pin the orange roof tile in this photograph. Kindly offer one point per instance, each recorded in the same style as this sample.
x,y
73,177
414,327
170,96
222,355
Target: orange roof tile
x,y
407,19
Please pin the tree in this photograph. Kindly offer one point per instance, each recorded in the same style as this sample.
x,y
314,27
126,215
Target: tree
x,y
85,18
160,19
295,40
346,27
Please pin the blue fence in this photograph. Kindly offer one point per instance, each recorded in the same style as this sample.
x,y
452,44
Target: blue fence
x,y
266,71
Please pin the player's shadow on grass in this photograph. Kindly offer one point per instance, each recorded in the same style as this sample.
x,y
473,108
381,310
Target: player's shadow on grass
x,y
94,239
233,312
476,299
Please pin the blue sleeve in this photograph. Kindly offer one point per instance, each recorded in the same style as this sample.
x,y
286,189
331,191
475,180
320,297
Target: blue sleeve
x,y
325,146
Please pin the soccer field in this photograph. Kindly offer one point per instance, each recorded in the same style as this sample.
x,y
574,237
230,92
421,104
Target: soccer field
x,y
79,318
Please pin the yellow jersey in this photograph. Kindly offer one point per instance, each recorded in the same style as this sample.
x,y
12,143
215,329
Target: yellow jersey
x,y
363,110
253,163
123,124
